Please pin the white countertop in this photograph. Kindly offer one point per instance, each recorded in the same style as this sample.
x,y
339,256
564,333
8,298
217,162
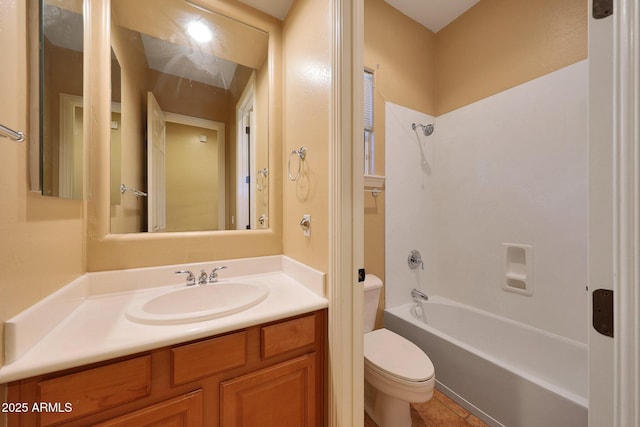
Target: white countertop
x,y
96,329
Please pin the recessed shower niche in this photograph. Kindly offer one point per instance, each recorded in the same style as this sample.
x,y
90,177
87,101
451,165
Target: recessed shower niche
x,y
518,268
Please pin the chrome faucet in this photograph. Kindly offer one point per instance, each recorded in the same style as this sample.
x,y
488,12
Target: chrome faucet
x,y
418,296
191,279
213,277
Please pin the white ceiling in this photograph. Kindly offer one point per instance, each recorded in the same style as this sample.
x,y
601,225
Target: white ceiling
x,y
277,8
433,14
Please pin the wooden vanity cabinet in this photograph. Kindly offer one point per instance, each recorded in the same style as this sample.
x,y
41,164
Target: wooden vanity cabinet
x,y
265,375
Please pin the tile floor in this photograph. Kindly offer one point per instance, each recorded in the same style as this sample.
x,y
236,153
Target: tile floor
x,y
440,411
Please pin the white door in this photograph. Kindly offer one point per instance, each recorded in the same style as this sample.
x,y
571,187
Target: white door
x,y
156,173
600,212
614,209
243,175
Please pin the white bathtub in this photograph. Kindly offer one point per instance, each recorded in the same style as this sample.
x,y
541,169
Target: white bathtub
x,y
507,373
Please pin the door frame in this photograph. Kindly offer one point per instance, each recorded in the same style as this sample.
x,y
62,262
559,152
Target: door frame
x,y
626,212
346,216
614,212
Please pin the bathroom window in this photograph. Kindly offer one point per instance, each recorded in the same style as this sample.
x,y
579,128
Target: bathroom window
x,y
368,123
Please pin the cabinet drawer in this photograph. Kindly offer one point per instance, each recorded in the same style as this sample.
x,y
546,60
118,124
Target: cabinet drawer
x,y
286,336
201,359
95,389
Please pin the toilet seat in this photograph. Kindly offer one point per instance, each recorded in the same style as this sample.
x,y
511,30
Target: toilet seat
x,y
392,355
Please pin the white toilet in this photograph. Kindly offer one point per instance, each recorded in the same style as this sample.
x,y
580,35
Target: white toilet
x,y
396,371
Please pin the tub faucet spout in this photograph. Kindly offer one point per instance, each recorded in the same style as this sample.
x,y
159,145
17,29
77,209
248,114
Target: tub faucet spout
x,y
418,296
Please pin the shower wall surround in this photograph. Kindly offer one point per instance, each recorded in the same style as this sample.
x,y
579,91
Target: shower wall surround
x,y
511,168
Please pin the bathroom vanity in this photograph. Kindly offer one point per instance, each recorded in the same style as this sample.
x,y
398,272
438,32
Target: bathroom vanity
x,y
262,366
265,375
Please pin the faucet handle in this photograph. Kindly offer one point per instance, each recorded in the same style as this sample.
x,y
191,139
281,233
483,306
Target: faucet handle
x,y
415,260
213,277
191,279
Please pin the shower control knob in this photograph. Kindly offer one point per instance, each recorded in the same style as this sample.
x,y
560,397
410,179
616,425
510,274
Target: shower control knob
x,y
415,260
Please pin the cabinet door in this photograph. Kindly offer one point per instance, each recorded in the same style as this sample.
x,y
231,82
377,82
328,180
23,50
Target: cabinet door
x,y
283,395
182,411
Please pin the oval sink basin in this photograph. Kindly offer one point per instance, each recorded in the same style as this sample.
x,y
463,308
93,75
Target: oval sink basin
x,y
197,303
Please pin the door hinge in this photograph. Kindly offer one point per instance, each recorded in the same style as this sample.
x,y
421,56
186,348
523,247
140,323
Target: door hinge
x,y
602,317
361,274
602,8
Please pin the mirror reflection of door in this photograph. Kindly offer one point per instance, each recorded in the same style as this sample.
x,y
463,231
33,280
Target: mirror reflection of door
x,y
156,171
186,172
245,179
245,197
70,147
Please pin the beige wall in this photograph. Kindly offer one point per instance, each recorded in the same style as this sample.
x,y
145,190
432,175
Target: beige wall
x,y
499,44
401,53
307,98
192,178
41,247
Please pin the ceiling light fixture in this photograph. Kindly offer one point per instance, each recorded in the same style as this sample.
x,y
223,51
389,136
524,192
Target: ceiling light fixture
x,y
199,32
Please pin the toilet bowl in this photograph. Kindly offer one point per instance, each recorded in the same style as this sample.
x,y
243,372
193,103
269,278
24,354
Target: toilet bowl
x,y
396,371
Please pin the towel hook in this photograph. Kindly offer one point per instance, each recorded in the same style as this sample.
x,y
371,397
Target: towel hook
x,y
301,153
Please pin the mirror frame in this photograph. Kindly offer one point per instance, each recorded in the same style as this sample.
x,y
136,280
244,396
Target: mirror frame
x,y
106,251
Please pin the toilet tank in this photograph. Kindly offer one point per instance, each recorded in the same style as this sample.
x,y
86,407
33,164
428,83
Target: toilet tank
x,y
372,288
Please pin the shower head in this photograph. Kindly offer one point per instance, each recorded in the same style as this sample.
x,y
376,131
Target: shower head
x,y
426,129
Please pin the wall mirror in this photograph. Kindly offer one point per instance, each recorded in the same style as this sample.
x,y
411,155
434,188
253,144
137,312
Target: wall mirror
x,y
189,124
60,97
